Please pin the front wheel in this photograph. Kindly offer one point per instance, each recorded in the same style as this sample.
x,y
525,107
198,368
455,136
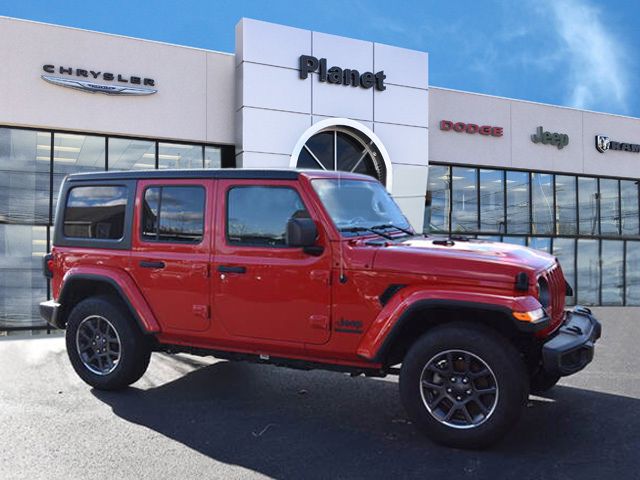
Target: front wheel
x,y
105,346
463,385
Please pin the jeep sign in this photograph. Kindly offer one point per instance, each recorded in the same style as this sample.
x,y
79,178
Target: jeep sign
x,y
560,140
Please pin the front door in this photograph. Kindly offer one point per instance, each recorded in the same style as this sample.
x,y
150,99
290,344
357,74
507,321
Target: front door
x,y
263,288
171,251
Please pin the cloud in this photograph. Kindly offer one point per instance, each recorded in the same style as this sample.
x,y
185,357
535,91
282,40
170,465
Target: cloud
x,y
595,58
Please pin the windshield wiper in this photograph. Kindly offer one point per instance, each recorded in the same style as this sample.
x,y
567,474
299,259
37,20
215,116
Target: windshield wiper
x,y
366,229
391,225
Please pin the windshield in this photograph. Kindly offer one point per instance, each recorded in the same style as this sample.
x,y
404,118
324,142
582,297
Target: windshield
x,y
359,205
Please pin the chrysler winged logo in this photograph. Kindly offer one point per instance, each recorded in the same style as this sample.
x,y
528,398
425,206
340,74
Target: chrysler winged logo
x,y
92,87
602,143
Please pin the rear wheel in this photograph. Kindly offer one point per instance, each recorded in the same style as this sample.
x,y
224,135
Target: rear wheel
x,y
105,346
463,385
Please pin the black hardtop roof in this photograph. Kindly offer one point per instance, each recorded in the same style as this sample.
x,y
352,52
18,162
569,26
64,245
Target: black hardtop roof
x,y
239,173
213,173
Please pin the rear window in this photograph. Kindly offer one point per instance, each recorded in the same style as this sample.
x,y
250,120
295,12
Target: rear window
x,y
95,212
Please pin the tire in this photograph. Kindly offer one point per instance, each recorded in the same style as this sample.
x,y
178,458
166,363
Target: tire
x,y
126,351
542,382
428,391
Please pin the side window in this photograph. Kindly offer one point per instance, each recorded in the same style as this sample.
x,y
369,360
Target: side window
x,y
173,214
258,216
95,212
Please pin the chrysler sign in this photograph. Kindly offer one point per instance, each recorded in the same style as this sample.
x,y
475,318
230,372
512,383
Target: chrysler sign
x,y
604,143
92,81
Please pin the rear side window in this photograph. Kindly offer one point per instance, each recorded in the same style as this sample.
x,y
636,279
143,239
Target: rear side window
x,y
258,216
173,214
95,212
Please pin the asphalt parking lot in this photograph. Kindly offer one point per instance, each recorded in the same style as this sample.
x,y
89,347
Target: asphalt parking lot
x,y
198,418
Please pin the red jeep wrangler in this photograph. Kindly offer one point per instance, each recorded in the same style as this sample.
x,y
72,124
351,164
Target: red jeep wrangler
x,y
309,270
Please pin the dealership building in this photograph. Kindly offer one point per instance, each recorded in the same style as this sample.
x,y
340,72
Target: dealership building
x,y
556,179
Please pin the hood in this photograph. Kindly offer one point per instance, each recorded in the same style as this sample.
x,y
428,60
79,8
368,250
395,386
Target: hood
x,y
471,259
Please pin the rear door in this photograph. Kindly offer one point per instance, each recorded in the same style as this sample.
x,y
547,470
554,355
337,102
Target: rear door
x,y
171,251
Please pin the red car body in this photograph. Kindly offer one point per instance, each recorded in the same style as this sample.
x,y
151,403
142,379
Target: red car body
x,y
290,304
362,302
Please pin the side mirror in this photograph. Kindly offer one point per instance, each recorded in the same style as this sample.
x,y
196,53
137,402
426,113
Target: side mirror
x,y
301,232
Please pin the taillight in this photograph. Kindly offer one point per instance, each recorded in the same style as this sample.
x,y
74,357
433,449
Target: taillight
x,y
47,265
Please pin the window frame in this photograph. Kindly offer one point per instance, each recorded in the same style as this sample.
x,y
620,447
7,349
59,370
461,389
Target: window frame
x,y
229,242
123,243
161,186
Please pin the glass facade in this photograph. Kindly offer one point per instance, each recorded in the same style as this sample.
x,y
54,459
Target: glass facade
x,y
33,164
591,224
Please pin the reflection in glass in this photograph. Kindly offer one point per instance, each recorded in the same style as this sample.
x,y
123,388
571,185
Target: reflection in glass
x,y
629,201
491,200
176,155
464,203
612,272
489,238
258,215
212,157
564,251
540,243
24,176
22,286
342,150
95,212
436,213
609,207
566,205
129,154
633,273
515,240
588,205
173,214
588,275
542,199
75,154
517,202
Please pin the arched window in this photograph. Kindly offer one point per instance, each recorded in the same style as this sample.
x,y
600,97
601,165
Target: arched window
x,y
343,148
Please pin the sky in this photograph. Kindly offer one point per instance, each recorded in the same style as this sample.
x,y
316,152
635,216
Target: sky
x,y
576,53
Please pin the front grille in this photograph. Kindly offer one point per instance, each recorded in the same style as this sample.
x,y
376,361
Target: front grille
x,y
557,291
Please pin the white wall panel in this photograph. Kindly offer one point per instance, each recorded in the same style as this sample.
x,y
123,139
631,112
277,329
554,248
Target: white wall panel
x,y
409,180
275,88
270,44
271,130
408,145
343,52
402,105
402,66
334,100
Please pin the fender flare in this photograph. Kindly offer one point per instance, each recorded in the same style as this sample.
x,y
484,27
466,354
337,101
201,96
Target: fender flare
x,y
125,287
382,332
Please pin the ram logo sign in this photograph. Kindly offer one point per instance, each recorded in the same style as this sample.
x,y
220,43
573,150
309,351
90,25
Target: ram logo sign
x,y
602,143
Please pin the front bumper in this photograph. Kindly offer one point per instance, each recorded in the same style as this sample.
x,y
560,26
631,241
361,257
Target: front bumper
x,y
571,348
49,311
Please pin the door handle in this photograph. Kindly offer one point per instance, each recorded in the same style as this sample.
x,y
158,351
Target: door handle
x,y
231,269
144,264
